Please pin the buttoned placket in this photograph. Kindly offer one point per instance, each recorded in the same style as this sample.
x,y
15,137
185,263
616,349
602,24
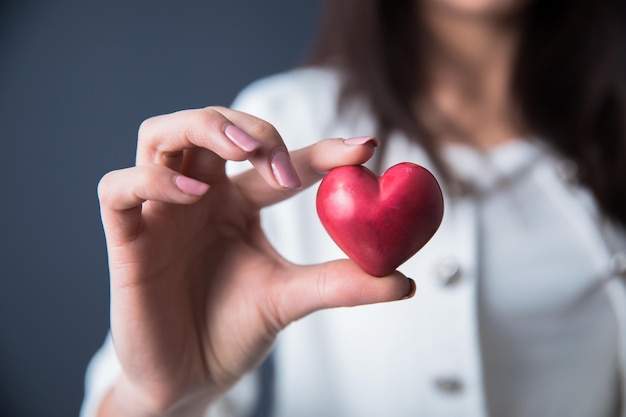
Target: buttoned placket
x,y
461,273
455,273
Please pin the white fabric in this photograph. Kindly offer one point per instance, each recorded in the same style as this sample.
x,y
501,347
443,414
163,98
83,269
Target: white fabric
x,y
532,325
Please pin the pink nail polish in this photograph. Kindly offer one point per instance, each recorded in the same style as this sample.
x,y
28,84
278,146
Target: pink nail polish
x,y
190,186
361,140
241,139
284,172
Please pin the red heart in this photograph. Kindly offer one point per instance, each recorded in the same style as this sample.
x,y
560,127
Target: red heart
x,y
380,224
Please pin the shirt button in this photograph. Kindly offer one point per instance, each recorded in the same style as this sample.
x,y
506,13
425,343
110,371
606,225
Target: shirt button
x,y
449,384
618,264
448,271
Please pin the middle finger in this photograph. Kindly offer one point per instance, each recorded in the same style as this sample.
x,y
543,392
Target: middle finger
x,y
228,134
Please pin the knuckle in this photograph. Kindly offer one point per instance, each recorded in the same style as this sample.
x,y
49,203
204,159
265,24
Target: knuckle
x,y
210,117
205,122
322,287
104,186
145,128
263,130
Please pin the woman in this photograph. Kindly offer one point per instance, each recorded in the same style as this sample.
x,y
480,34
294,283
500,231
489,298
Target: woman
x,y
517,106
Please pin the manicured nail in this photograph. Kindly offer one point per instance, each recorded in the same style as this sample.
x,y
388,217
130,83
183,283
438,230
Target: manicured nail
x,y
284,172
241,139
361,140
190,186
412,289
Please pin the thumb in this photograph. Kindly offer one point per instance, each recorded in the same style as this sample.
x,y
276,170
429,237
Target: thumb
x,y
338,283
311,163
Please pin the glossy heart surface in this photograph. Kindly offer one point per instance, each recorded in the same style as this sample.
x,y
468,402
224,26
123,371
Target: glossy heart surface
x,y
380,222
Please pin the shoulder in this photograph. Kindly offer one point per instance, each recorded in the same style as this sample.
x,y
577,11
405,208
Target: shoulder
x,y
312,85
296,102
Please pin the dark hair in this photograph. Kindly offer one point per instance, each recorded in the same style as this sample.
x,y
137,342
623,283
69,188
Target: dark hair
x,y
569,81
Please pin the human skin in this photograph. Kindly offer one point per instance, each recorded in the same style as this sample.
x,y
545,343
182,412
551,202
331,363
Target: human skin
x,y
469,60
480,9
198,294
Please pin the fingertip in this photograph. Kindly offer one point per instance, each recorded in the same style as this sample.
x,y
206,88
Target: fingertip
x,y
190,186
284,171
405,287
332,153
412,289
362,140
241,139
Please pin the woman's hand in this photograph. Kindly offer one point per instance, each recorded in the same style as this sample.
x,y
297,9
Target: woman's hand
x,y
198,294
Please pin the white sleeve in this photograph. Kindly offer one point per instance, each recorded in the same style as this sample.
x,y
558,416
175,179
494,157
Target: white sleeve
x,y
101,373
104,368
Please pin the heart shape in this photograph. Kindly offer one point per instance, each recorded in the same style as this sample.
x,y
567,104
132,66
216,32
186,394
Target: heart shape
x,y
380,222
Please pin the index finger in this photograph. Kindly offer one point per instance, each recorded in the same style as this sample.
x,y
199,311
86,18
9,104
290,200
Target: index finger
x,y
311,163
229,134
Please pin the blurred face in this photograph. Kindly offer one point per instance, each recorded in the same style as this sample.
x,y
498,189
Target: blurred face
x,y
478,8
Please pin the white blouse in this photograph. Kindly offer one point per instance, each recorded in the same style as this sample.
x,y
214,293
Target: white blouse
x,y
520,309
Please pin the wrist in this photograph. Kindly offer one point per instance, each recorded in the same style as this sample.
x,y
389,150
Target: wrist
x,y
123,399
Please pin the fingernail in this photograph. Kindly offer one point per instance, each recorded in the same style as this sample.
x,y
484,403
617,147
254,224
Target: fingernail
x,y
412,289
284,172
241,139
361,140
190,186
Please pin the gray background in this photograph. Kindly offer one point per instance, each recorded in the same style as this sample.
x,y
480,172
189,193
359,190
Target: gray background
x,y
76,79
